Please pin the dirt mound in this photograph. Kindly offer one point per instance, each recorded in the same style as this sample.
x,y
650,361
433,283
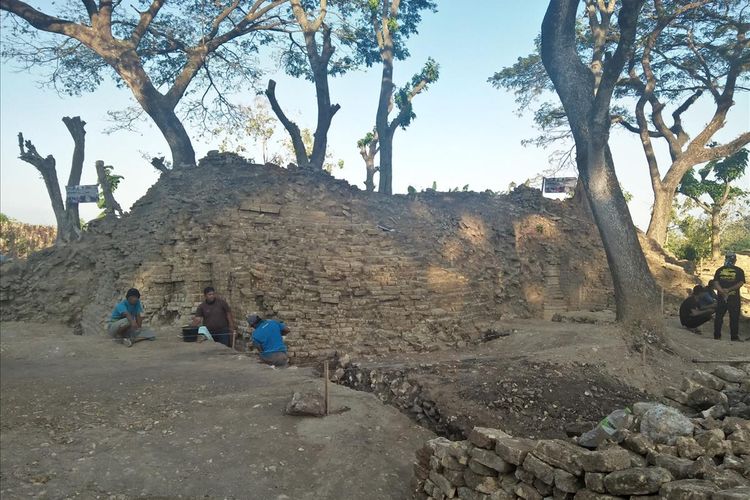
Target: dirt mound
x,y
347,270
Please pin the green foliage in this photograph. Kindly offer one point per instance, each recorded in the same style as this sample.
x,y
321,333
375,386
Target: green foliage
x,y
718,189
366,140
419,82
365,14
689,236
71,68
114,181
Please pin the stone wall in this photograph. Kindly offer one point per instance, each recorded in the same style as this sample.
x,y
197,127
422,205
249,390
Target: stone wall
x,y
347,270
699,453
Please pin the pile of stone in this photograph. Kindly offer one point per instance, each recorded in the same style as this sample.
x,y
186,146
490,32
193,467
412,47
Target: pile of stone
x,y
697,451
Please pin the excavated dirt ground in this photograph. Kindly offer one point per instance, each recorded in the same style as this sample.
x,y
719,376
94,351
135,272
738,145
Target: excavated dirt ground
x,y
542,378
82,417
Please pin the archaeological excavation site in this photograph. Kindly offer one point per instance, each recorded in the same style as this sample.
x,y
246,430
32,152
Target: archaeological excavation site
x,y
471,341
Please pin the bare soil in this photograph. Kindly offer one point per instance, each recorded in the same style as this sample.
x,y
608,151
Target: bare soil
x,y
541,379
82,417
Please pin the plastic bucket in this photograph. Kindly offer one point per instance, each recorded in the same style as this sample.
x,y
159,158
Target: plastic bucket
x,y
189,333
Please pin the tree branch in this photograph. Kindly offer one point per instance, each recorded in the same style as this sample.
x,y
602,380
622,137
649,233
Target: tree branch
x,y
146,17
299,146
42,21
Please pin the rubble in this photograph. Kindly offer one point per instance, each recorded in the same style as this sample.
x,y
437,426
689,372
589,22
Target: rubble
x,y
664,453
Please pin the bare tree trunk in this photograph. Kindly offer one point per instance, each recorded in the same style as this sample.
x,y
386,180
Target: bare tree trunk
x,y
46,167
661,213
110,204
292,128
180,145
385,101
587,108
716,231
319,64
76,128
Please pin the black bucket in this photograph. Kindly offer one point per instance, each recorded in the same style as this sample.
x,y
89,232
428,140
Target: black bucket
x,y
189,333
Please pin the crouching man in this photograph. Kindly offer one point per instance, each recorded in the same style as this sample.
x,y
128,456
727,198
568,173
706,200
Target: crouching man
x,y
126,322
268,338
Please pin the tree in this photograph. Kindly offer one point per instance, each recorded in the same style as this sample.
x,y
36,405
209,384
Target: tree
x,y
382,35
372,143
108,182
199,42
66,212
586,92
311,59
718,189
688,49
684,50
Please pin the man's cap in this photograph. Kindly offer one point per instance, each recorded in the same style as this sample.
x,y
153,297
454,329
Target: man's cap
x,y
252,319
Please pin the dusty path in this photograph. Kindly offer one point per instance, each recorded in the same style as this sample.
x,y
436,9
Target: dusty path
x,y
83,417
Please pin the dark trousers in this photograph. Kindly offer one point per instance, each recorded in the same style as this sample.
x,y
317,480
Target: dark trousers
x,y
696,321
224,337
731,304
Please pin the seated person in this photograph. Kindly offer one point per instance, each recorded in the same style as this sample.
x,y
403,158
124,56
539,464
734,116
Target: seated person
x,y
267,337
697,309
126,322
215,315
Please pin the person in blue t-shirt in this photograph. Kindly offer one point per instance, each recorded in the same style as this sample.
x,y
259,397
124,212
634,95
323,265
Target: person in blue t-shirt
x,y
267,337
126,322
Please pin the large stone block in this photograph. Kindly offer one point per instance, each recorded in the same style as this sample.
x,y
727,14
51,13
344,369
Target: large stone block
x,y
443,484
560,454
481,469
513,450
491,459
729,373
678,467
739,493
527,492
707,380
482,484
636,481
688,489
703,398
539,469
595,481
486,438
664,425
608,460
567,482
688,447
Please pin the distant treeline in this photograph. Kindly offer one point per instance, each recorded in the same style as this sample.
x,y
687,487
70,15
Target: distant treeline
x,y
19,240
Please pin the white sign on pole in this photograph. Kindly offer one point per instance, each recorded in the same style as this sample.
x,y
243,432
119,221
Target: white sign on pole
x,y
82,194
559,184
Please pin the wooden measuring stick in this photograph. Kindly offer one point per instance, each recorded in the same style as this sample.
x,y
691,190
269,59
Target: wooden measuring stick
x,y
325,375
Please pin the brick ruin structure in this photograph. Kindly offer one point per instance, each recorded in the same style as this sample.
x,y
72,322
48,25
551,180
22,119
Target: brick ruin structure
x,y
347,270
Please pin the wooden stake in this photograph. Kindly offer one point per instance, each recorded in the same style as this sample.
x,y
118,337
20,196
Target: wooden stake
x,y
662,300
327,397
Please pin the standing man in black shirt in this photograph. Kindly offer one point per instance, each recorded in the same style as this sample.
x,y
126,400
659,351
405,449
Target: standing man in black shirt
x,y
728,279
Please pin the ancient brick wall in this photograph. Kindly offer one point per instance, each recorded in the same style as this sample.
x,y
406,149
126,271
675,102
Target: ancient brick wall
x,y
345,269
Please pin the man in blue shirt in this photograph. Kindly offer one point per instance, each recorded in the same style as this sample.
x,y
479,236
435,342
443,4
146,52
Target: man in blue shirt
x,y
125,323
267,337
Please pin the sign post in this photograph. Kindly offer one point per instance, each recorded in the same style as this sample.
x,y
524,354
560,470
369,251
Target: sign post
x,y
82,194
558,185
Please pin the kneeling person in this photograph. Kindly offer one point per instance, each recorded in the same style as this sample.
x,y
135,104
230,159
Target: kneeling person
x,y
126,322
267,336
697,309
214,313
